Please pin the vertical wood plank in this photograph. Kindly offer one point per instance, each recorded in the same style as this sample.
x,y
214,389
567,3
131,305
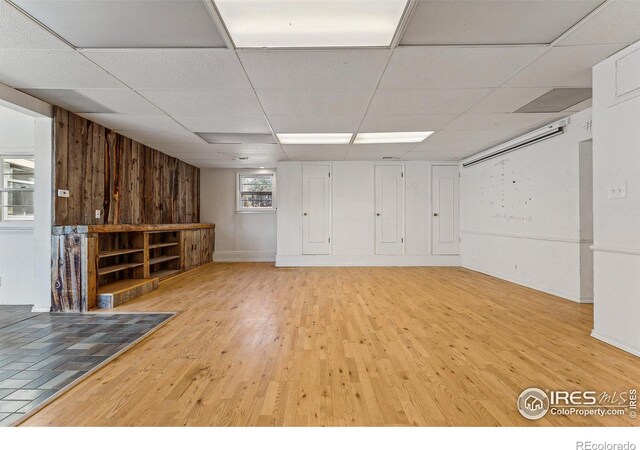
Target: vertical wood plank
x,y
128,181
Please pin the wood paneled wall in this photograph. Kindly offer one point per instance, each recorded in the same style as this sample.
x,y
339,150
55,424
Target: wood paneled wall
x,y
128,182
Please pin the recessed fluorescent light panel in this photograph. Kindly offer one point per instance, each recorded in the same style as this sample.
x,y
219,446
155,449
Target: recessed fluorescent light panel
x,y
401,137
311,23
315,138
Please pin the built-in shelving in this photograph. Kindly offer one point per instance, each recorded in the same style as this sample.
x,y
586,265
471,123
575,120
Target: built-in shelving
x,y
118,267
117,252
123,261
163,244
164,274
161,259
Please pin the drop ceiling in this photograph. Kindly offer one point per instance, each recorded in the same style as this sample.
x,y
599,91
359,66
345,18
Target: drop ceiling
x,y
183,76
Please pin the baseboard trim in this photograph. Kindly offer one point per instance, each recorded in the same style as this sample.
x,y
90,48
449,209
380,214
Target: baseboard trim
x,y
244,256
40,309
616,343
532,286
365,261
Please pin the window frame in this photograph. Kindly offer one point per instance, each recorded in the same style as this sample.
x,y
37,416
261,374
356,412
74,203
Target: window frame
x,y
243,210
8,222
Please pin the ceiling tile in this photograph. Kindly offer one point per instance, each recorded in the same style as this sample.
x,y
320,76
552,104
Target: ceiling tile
x,y
493,22
430,122
563,67
17,31
156,139
52,69
230,164
123,101
506,100
69,100
210,155
580,106
432,155
225,124
217,102
314,102
314,124
556,100
455,67
463,143
248,148
495,121
317,153
173,69
424,101
365,152
314,69
129,122
127,24
615,23
258,157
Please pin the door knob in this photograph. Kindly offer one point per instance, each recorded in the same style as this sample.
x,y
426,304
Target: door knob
x,y
377,214
435,214
304,214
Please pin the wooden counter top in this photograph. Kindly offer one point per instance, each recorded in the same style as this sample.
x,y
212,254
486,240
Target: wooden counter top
x,y
124,228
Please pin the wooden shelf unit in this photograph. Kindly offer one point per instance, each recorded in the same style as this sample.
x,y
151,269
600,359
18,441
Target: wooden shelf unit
x,y
165,253
123,261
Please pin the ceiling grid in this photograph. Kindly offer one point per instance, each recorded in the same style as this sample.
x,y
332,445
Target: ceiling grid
x,y
465,80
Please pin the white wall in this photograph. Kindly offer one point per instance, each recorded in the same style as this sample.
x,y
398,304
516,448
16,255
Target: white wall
x,y
244,236
353,224
25,247
616,148
520,215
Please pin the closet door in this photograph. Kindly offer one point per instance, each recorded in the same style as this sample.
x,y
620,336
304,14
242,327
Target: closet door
x,y
316,209
445,225
389,198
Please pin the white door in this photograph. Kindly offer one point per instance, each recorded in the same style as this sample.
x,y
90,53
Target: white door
x,y
316,209
389,209
445,223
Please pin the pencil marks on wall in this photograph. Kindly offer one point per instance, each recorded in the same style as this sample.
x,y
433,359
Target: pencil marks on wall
x,y
506,193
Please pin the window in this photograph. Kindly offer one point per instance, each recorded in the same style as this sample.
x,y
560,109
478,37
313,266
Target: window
x,y
16,189
256,191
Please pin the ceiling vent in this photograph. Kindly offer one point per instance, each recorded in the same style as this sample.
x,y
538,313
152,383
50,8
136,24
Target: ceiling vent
x,y
556,100
238,138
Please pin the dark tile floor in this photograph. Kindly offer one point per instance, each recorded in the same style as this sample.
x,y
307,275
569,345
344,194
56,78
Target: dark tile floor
x,y
42,353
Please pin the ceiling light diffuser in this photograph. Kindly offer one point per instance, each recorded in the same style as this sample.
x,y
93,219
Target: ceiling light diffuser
x,y
398,137
311,23
315,138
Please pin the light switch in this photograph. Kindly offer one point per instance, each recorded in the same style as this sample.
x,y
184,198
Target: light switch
x,y
63,193
98,213
617,191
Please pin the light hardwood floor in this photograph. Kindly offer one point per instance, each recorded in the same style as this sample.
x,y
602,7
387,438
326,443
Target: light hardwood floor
x,y
256,345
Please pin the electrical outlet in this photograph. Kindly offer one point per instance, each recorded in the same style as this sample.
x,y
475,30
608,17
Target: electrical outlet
x,y
617,191
98,213
63,193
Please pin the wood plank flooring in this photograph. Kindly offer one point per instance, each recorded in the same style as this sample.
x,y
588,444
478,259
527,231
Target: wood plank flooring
x,y
256,345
